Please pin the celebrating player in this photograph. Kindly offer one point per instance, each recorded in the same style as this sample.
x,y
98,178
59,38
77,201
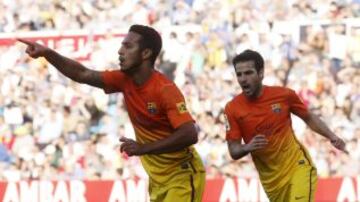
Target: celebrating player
x,y
260,117
163,127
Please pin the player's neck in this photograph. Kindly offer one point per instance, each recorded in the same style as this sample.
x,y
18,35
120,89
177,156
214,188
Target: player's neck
x,y
142,75
258,93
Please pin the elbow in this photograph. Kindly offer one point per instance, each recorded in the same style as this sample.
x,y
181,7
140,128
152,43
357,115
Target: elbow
x,y
236,154
80,79
82,76
237,150
190,134
193,138
234,157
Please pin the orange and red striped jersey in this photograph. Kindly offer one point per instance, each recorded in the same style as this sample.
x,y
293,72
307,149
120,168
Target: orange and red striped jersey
x,y
270,115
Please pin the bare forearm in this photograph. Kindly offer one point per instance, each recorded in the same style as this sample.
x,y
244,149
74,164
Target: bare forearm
x,y
317,125
70,68
175,142
238,151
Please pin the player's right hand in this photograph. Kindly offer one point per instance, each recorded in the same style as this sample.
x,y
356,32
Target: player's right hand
x,y
258,142
130,147
339,144
33,49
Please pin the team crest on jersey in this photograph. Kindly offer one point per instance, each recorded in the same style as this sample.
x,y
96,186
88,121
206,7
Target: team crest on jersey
x,y
151,107
181,107
276,108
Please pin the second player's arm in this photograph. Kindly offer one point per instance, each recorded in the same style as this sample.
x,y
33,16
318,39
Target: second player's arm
x,y
238,150
317,125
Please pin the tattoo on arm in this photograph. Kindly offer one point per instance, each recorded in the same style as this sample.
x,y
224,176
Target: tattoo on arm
x,y
75,70
93,78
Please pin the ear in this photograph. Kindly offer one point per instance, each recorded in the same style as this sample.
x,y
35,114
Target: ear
x,y
146,53
261,73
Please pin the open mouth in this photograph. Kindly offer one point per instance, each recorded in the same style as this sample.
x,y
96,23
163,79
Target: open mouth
x,y
246,88
121,60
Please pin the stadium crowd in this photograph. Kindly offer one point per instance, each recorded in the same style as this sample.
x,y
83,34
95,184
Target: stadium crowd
x,y
54,128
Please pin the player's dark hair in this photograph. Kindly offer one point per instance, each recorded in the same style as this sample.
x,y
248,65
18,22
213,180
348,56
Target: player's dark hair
x,y
151,39
250,55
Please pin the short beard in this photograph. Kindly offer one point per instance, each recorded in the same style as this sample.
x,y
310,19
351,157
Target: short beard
x,y
131,70
257,91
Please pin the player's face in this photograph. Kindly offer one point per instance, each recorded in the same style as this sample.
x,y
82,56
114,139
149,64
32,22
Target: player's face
x,y
249,79
130,53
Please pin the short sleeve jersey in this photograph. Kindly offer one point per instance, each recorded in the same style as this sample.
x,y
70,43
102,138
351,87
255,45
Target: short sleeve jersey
x,y
269,115
156,109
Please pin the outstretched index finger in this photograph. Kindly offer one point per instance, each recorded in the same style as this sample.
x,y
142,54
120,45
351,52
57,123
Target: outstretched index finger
x,y
345,151
27,42
124,139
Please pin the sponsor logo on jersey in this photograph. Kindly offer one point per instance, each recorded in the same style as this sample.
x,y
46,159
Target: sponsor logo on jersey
x,y
181,107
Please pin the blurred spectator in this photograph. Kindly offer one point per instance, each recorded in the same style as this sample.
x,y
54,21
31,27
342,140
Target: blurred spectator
x,y
51,128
